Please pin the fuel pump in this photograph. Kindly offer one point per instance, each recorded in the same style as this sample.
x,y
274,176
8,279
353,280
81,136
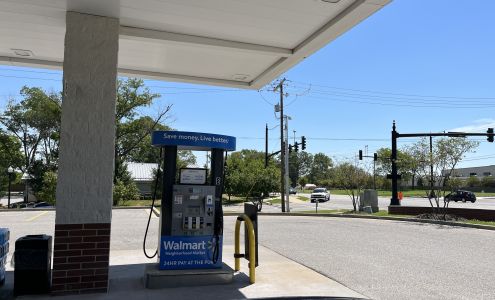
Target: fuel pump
x,y
191,218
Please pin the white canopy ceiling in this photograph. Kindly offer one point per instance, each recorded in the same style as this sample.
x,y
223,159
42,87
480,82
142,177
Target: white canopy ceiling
x,y
235,43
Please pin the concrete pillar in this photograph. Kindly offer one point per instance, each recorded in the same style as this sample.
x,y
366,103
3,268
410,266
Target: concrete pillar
x,y
84,187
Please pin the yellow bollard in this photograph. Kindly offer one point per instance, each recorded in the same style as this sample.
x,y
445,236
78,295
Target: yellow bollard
x,y
252,247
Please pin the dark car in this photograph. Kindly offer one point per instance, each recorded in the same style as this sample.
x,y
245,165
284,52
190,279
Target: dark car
x,y
42,205
461,195
292,191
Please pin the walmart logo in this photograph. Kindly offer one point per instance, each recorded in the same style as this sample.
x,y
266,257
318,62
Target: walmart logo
x,y
172,245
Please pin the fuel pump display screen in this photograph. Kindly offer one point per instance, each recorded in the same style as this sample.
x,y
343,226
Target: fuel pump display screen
x,y
193,210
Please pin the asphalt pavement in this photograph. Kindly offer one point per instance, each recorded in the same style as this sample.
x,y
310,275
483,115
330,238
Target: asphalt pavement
x,y
380,259
388,259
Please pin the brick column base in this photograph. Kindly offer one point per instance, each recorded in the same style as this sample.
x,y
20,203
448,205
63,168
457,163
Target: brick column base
x,y
81,258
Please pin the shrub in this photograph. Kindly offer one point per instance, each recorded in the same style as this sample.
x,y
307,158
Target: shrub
x,y
48,188
123,192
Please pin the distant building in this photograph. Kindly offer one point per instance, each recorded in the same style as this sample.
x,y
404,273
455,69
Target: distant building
x,y
309,186
480,172
143,175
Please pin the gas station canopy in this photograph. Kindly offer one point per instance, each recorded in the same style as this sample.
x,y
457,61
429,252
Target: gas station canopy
x,y
233,43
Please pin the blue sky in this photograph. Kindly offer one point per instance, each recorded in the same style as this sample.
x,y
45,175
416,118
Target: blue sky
x,y
429,65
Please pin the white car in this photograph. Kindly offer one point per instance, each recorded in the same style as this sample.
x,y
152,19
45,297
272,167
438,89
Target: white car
x,y
320,195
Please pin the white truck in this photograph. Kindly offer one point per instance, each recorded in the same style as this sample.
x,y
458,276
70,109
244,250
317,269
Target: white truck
x,y
320,195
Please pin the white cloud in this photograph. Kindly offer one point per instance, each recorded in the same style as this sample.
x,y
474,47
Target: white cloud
x,y
480,125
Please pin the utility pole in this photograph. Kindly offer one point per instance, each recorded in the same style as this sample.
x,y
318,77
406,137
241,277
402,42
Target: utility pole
x,y
282,145
266,145
287,194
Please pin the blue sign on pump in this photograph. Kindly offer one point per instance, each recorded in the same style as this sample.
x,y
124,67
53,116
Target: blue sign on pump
x,y
193,140
190,252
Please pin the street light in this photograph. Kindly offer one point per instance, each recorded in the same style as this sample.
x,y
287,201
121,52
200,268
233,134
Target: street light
x,y
10,171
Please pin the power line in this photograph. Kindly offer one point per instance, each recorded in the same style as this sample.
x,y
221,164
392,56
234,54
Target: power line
x,y
31,71
31,78
264,99
398,94
460,102
397,104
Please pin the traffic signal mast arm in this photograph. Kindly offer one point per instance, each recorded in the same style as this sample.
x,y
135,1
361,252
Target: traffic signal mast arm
x,y
395,135
448,134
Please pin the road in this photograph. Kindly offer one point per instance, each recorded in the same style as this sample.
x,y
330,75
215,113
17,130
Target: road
x,y
378,258
344,202
389,259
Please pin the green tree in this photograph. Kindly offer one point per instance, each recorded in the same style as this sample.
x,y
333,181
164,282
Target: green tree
x,y
407,164
352,179
29,132
454,183
320,168
35,123
473,181
299,165
447,153
10,156
247,176
133,129
487,181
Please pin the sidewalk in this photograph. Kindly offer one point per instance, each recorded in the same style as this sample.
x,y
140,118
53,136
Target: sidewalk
x,y
276,277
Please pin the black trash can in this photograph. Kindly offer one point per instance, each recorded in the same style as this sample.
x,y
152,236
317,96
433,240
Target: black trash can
x,y
32,265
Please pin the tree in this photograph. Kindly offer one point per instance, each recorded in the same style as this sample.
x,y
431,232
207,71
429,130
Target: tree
x,y
407,164
447,153
411,161
487,181
454,183
352,179
473,181
35,123
247,176
10,156
320,168
299,165
132,130
30,131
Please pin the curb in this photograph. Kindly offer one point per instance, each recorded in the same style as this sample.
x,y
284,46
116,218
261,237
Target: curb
x,y
437,222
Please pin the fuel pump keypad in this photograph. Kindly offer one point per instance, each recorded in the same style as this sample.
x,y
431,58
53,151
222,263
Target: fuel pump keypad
x,y
194,211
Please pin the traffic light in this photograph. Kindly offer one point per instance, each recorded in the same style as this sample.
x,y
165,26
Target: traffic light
x,y
375,156
489,135
290,148
296,147
303,143
360,154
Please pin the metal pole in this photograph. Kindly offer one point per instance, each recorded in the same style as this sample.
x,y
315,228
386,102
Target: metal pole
x,y
374,175
431,165
10,180
287,194
168,181
296,163
395,198
266,145
282,146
